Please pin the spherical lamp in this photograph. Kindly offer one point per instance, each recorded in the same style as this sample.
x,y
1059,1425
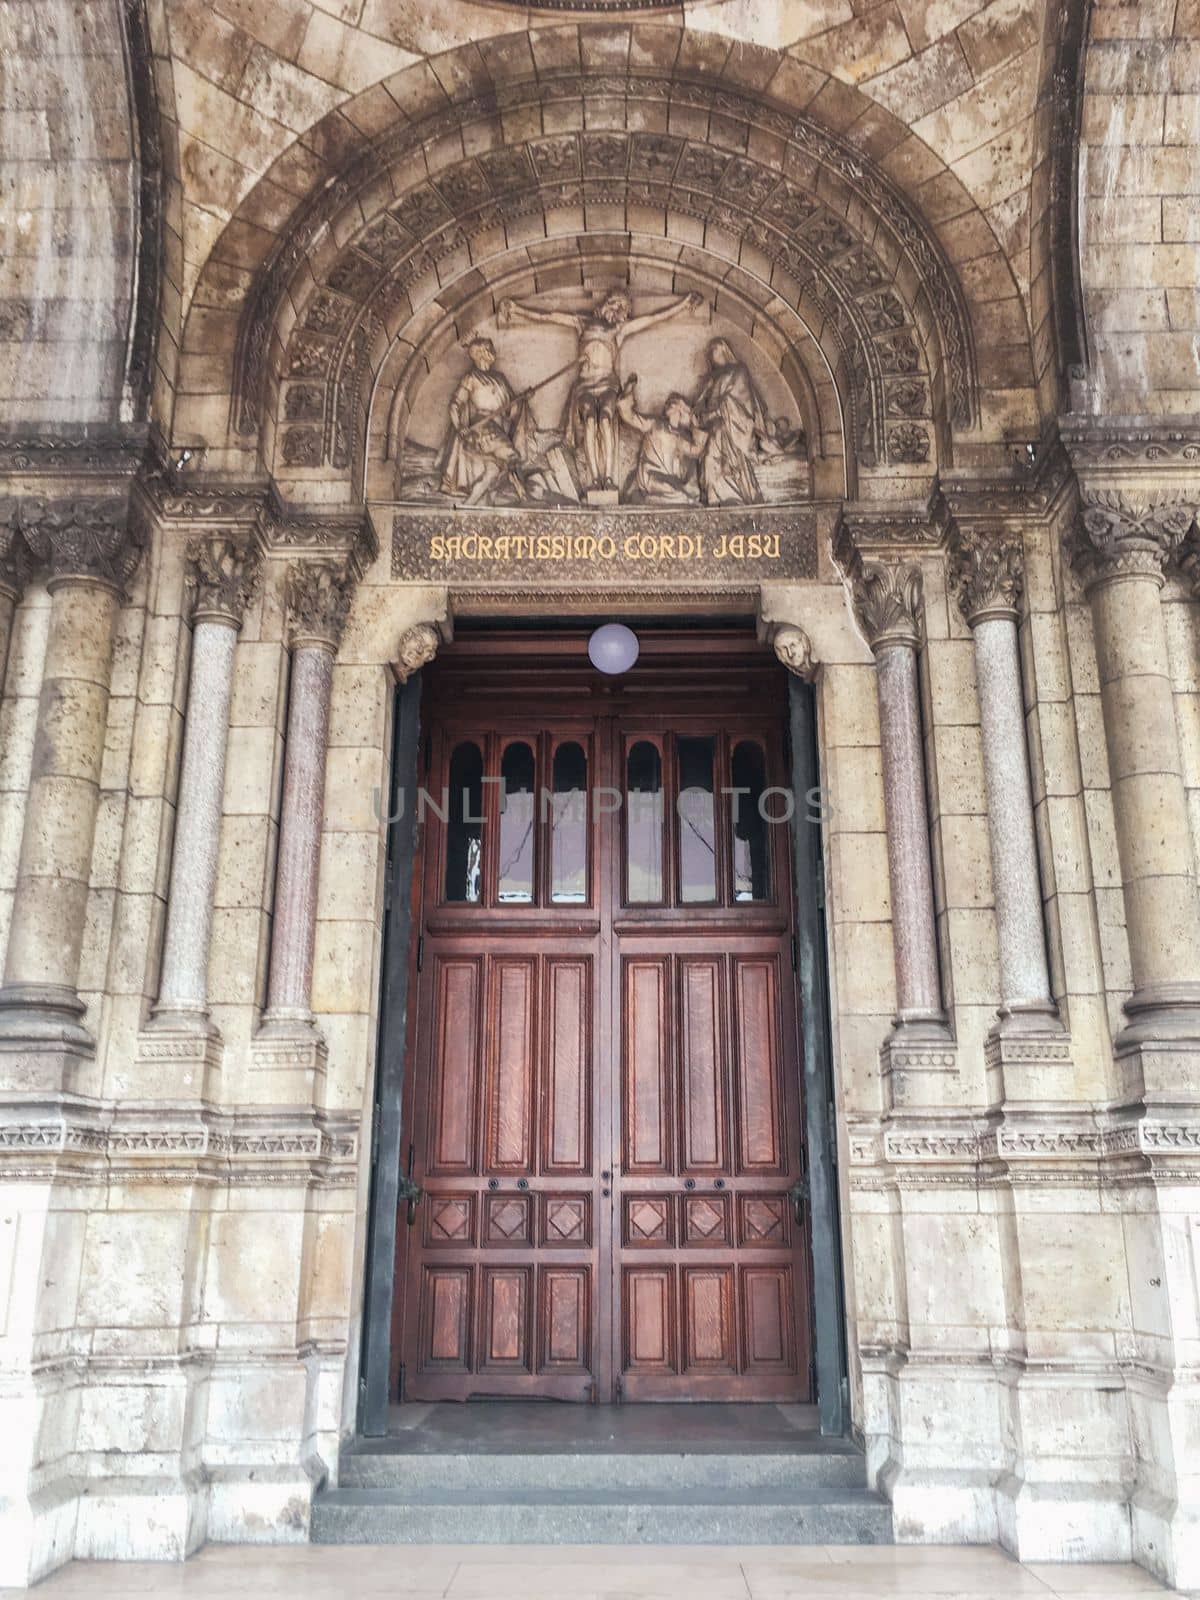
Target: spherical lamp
x,y
613,649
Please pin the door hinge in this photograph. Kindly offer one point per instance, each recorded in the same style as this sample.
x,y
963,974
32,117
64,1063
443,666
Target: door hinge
x,y
400,1384
375,1137
420,951
619,1389
795,954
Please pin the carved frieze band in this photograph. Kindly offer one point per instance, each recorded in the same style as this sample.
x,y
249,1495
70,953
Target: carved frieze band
x,y
223,576
280,1150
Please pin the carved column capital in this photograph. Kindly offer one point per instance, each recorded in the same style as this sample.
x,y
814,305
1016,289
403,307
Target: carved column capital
x,y
888,601
16,560
318,595
84,538
222,577
794,648
1127,535
987,572
417,648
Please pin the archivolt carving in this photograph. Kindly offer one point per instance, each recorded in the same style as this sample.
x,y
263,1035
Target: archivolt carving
x,y
848,282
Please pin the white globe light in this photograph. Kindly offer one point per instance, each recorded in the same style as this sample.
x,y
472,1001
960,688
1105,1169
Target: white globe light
x,y
613,648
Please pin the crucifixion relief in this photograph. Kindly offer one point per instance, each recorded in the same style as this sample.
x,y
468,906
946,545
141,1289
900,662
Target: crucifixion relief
x,y
718,444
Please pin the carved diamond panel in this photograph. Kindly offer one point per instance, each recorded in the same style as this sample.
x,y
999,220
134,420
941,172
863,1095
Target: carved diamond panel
x,y
507,1220
763,1221
647,1220
565,1220
448,1221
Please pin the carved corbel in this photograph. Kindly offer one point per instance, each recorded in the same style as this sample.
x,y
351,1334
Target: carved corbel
x,y
223,575
794,649
417,647
318,595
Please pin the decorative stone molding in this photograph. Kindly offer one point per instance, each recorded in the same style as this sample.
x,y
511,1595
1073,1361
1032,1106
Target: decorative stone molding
x,y
180,1142
1127,534
94,449
318,596
794,648
877,334
84,538
987,572
223,576
417,647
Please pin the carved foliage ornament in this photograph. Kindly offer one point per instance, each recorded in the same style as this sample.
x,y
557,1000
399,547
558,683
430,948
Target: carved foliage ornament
x,y
888,603
1127,535
222,577
318,602
986,570
84,538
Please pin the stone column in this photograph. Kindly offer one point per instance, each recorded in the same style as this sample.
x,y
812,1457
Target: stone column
x,y
222,577
318,599
888,600
1119,547
90,555
987,572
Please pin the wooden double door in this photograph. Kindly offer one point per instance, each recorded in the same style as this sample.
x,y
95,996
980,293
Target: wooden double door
x,y
603,1146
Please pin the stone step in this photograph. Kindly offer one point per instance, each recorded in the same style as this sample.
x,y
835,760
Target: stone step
x,y
596,1516
821,1464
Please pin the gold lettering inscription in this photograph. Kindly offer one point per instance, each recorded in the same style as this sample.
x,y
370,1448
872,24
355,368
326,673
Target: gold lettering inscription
x,y
586,547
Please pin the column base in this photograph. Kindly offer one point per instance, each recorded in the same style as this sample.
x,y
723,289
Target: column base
x,y
291,1040
42,1036
920,1058
1027,1055
186,1040
1158,1051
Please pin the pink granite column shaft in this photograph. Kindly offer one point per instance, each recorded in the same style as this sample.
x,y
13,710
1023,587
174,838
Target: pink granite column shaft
x,y
918,982
293,934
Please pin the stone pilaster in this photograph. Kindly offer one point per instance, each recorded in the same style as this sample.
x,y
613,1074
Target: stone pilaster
x,y
318,595
222,576
1120,545
887,594
986,565
86,546
15,565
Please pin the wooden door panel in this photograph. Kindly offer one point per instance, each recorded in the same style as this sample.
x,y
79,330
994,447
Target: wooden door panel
x,y
647,1120
760,1092
566,1099
455,1051
504,1321
565,1320
508,1145
702,1066
709,1318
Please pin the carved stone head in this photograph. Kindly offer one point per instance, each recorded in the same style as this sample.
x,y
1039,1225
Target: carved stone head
x,y
616,307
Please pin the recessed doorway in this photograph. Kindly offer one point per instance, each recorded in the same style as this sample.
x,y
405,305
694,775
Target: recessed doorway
x,y
603,1165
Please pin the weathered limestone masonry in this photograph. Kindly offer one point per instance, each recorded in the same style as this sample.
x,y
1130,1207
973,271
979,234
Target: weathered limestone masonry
x,y
331,325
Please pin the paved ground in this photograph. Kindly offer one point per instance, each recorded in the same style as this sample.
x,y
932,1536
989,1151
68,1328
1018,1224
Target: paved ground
x,y
478,1572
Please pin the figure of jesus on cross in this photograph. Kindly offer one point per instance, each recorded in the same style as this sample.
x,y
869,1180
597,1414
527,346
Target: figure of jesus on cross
x,y
591,421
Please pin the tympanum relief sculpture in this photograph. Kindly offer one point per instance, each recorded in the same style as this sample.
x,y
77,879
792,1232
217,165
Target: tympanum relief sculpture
x,y
551,411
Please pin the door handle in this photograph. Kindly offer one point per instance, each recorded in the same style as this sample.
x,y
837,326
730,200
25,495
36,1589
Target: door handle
x,y
412,1192
798,1195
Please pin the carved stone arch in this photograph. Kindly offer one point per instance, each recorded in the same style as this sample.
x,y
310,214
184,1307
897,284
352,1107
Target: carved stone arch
x,y
355,151
807,226
771,325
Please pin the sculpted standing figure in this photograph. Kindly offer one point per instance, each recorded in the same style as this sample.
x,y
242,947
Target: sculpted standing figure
x,y
591,421
487,426
730,408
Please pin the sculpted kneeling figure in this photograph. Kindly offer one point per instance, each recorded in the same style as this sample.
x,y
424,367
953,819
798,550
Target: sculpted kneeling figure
x,y
488,434
670,447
